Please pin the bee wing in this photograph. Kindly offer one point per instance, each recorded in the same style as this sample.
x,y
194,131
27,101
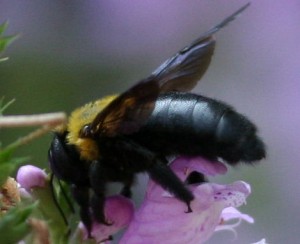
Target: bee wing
x,y
182,71
129,111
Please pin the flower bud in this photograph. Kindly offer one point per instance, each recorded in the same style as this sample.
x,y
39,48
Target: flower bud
x,y
30,176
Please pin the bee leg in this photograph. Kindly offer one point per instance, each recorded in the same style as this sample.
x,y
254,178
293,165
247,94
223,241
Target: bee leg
x,y
126,190
189,210
164,176
81,196
97,205
98,181
157,168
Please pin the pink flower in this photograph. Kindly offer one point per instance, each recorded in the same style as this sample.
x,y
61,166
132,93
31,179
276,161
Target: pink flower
x,y
119,211
30,176
232,213
162,217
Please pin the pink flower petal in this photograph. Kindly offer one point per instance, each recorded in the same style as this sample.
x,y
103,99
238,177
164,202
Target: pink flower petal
x,y
119,211
231,213
233,195
163,219
202,165
183,166
30,176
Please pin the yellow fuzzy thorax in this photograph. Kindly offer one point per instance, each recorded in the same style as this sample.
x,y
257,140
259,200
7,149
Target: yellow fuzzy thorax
x,y
81,116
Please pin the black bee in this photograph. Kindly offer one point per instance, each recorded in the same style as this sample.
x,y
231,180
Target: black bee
x,y
114,138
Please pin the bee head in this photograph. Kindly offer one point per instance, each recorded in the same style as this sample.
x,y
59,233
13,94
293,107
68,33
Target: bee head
x,y
65,161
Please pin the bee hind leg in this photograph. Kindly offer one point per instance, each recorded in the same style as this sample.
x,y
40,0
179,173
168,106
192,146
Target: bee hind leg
x,y
126,190
164,176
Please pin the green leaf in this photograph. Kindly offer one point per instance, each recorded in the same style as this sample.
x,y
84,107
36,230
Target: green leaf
x,y
7,168
49,211
5,154
8,165
3,27
6,40
13,224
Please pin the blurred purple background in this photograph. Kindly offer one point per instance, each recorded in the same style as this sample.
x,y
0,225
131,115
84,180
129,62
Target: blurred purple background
x,y
71,52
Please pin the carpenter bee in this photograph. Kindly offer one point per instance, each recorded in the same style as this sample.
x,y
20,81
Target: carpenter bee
x,y
114,138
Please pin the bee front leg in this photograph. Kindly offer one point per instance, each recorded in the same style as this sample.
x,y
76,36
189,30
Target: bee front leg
x,y
81,196
98,180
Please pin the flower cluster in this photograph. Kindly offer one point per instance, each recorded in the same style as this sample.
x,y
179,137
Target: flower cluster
x,y
162,217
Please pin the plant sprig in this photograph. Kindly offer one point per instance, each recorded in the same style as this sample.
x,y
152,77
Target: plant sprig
x,y
5,41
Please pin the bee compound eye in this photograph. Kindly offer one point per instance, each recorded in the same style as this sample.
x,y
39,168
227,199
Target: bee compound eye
x,y
85,131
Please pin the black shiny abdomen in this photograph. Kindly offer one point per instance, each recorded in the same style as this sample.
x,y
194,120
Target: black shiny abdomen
x,y
189,124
